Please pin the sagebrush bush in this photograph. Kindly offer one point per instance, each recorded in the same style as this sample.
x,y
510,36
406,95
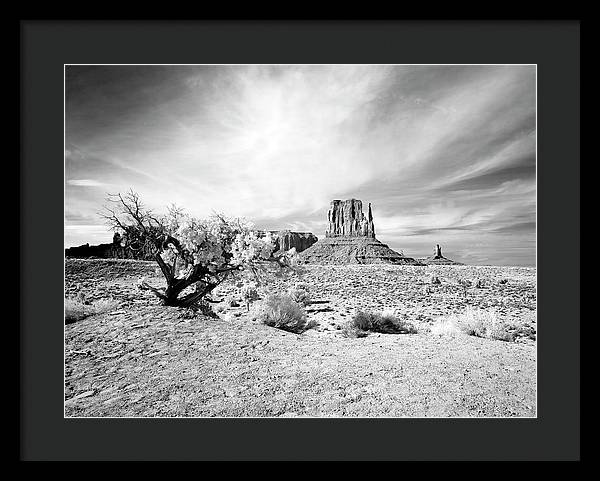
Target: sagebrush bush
x,y
446,327
475,322
484,323
500,332
349,330
525,331
104,305
300,294
386,323
205,309
283,312
311,324
362,320
76,310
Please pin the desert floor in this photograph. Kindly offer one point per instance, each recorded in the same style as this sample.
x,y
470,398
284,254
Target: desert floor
x,y
141,359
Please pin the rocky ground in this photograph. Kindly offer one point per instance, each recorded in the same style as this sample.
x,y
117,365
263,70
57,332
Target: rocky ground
x,y
142,359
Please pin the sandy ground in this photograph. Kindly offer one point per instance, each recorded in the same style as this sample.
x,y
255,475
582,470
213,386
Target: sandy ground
x,y
143,359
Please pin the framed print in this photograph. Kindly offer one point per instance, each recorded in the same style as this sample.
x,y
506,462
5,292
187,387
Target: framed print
x,y
286,237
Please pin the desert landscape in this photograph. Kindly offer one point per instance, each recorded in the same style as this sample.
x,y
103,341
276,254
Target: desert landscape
x,y
138,358
300,241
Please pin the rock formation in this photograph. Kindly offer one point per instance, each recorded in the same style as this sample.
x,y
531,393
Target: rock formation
x,y
286,239
350,239
346,219
353,250
113,250
438,259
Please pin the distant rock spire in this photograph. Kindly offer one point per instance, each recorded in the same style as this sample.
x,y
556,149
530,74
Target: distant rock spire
x,y
371,229
438,259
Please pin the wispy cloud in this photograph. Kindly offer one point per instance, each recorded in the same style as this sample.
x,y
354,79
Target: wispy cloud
x,y
86,183
436,149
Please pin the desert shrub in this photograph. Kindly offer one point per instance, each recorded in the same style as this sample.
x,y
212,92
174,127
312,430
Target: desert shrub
x,y
499,331
249,294
205,309
76,310
480,323
386,323
283,312
446,327
300,294
104,305
525,331
349,330
362,320
475,322
311,324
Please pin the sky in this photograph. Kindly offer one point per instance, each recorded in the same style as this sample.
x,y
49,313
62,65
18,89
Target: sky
x,y
445,154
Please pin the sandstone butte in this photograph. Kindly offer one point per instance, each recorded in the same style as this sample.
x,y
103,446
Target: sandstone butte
x,y
286,240
350,239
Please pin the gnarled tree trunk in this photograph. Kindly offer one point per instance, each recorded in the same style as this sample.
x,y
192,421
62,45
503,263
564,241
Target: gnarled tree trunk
x,y
175,286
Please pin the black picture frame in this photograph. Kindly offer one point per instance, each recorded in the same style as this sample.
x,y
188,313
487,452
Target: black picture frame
x,y
46,46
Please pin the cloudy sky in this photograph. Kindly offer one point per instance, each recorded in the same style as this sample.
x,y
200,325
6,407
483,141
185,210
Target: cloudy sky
x,y
445,154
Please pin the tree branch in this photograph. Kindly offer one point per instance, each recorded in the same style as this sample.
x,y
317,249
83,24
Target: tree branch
x,y
164,268
144,286
192,298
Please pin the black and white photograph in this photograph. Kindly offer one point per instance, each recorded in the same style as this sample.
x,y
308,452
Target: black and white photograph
x,y
300,241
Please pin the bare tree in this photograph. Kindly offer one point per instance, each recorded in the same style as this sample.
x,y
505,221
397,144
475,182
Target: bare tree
x,y
203,264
